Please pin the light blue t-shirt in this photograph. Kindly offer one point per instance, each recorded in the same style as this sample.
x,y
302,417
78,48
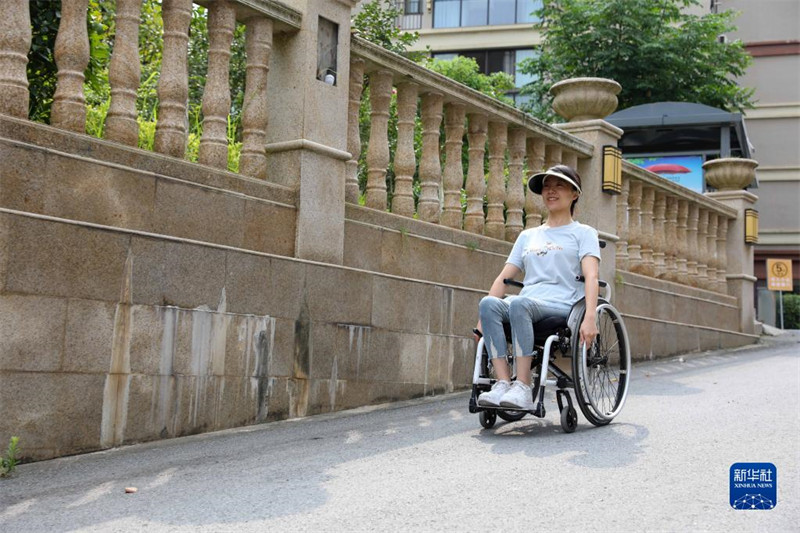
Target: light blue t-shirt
x,y
551,259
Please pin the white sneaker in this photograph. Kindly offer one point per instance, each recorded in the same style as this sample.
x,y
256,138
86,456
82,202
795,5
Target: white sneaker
x,y
519,396
492,398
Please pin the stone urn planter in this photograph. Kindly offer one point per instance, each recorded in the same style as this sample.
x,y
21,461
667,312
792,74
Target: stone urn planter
x,y
580,99
730,173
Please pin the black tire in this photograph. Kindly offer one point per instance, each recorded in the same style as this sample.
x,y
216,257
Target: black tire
x,y
487,418
569,419
511,416
601,374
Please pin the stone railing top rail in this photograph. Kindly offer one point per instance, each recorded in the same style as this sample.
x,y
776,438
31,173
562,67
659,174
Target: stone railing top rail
x,y
406,70
284,17
654,180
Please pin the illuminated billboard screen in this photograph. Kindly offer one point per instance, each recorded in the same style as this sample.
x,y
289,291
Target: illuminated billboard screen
x,y
685,170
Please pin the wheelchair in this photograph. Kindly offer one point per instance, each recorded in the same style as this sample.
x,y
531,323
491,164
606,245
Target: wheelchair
x,y
600,374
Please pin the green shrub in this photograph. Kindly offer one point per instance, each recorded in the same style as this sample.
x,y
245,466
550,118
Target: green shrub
x,y
9,460
791,311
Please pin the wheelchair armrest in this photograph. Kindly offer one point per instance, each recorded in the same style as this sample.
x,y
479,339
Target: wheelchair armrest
x,y
513,282
600,282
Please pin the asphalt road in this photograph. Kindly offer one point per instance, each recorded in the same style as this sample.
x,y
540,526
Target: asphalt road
x,y
427,465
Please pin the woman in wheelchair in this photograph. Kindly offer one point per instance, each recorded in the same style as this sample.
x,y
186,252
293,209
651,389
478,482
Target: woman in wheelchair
x,y
552,257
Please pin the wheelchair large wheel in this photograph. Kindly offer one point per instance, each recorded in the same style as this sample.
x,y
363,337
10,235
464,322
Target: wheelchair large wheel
x,y
601,373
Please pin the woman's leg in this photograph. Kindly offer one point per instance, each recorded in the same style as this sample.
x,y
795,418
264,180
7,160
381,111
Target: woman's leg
x,y
493,312
523,313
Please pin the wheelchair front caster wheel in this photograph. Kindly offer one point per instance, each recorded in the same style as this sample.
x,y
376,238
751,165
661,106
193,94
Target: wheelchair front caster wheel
x,y
569,419
487,418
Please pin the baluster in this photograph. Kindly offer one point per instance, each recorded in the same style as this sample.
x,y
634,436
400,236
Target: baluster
x,y
72,57
476,181
622,225
659,242
15,42
552,155
351,187
498,140
123,76
711,251
691,241
173,85
217,94
258,46
570,159
634,226
405,161
702,239
534,206
646,227
722,254
453,169
515,197
380,96
671,235
430,166
682,237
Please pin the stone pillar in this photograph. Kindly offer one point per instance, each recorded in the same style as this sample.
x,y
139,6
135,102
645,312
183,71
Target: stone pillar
x,y
623,225
72,57
722,255
308,133
476,182
217,93
739,255
711,252
496,192
515,195
691,241
255,113
570,159
682,238
430,166
123,75
380,96
646,228
534,205
405,161
634,226
671,234
15,43
659,238
552,155
453,169
173,85
702,253
352,190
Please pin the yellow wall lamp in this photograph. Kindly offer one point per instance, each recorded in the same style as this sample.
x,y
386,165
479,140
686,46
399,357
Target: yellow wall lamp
x,y
750,226
612,169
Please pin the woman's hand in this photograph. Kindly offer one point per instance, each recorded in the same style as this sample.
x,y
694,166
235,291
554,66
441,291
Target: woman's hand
x,y
588,330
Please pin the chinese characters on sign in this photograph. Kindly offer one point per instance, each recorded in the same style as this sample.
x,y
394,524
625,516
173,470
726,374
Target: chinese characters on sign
x,y
779,275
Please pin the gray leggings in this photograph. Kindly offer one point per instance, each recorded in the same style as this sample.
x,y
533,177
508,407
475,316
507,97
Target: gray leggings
x,y
521,312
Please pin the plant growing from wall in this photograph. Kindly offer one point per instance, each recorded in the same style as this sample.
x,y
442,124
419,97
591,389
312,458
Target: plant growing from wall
x,y
10,458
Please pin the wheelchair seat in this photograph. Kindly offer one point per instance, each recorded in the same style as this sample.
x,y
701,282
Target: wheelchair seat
x,y
542,329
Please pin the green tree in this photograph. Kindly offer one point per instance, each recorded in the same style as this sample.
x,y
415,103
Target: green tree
x,y
466,70
376,22
654,49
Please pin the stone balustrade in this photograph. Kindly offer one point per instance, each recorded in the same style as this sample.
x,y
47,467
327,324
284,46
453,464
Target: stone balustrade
x,y
502,143
669,232
261,19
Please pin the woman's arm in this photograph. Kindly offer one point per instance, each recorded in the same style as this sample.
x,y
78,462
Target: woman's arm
x,y
590,267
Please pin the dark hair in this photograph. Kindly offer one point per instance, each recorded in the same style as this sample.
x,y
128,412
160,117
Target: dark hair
x,y
572,174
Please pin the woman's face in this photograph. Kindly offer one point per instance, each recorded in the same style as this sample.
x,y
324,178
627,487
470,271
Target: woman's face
x,y
557,193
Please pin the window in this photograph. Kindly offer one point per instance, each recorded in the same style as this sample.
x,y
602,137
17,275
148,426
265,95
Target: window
x,y
465,13
411,7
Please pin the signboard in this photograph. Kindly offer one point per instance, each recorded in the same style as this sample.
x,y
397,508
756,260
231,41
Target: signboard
x,y
685,170
779,275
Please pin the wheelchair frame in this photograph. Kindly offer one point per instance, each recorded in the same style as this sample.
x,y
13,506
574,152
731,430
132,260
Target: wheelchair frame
x,y
598,410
